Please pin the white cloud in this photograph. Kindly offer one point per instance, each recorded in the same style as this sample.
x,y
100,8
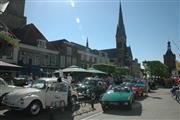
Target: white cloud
x,y
77,20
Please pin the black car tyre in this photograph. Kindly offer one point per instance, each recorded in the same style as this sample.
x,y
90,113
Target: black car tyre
x,y
104,108
129,105
73,102
34,108
93,96
62,106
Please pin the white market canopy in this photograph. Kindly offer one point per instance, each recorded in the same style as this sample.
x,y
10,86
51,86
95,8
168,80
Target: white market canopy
x,y
74,68
5,64
93,70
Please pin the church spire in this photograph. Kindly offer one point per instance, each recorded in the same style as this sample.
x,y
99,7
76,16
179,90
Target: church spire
x,y
169,45
120,27
87,43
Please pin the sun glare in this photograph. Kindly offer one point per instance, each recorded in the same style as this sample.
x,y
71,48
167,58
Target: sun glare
x,y
77,20
72,3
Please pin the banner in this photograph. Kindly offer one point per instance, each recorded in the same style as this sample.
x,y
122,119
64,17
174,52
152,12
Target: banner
x,y
177,66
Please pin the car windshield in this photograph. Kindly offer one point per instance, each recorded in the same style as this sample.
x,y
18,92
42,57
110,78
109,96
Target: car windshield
x,y
89,82
119,89
40,84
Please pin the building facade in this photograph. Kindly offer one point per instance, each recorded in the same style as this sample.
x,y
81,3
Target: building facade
x,y
71,53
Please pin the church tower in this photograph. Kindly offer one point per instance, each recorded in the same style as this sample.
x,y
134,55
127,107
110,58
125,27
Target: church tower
x,y
13,16
120,40
170,59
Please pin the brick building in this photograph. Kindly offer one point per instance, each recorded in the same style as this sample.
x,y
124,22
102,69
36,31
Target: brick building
x,y
170,59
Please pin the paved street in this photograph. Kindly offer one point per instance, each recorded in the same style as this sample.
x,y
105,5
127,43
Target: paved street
x,y
158,106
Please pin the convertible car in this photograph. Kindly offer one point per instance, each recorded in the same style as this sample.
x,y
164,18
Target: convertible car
x,y
138,88
117,95
91,87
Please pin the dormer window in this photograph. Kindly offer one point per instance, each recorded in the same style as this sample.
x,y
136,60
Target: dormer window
x,y
41,44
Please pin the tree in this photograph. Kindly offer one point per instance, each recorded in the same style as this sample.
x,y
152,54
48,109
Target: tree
x,y
121,71
156,68
108,68
111,69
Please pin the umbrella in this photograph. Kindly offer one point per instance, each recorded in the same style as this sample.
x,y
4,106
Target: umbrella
x,y
74,68
92,70
5,64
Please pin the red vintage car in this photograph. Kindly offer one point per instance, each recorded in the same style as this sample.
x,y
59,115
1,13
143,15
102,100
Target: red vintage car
x,y
138,89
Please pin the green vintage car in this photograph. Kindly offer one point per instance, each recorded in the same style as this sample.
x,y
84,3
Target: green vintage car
x,y
91,87
117,95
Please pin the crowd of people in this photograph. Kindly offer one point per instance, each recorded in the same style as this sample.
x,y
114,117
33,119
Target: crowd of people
x,y
175,89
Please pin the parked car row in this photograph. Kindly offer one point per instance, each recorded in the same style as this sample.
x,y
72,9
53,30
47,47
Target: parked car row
x,y
49,92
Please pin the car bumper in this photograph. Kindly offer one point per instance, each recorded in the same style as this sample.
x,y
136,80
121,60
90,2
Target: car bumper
x,y
14,106
114,103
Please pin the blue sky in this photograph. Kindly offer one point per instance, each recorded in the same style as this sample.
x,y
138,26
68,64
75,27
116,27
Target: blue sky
x,y
149,24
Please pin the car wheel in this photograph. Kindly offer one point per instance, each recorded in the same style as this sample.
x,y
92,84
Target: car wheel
x,y
104,108
62,106
93,96
34,108
73,102
129,105
1,98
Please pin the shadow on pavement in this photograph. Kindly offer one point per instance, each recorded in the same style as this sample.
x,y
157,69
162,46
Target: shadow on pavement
x,y
141,98
123,111
55,114
153,97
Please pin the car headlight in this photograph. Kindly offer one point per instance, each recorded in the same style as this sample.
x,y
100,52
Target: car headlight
x,y
87,91
21,100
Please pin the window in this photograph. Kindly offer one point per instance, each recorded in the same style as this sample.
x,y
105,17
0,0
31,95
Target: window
x,y
46,60
62,61
53,60
37,60
69,51
68,61
81,57
74,61
60,87
2,83
41,44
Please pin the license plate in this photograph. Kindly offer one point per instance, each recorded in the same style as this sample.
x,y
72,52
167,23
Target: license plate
x,y
114,103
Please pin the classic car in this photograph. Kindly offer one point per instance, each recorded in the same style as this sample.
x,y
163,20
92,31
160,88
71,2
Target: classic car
x,y
20,81
91,87
117,95
128,84
5,88
138,88
42,94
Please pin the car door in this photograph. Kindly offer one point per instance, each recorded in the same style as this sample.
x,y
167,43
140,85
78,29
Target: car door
x,y
3,87
57,92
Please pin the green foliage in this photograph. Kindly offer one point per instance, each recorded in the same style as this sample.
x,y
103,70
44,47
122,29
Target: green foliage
x,y
156,68
121,71
108,68
111,69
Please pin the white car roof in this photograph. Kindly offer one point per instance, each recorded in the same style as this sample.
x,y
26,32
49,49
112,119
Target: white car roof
x,y
52,79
